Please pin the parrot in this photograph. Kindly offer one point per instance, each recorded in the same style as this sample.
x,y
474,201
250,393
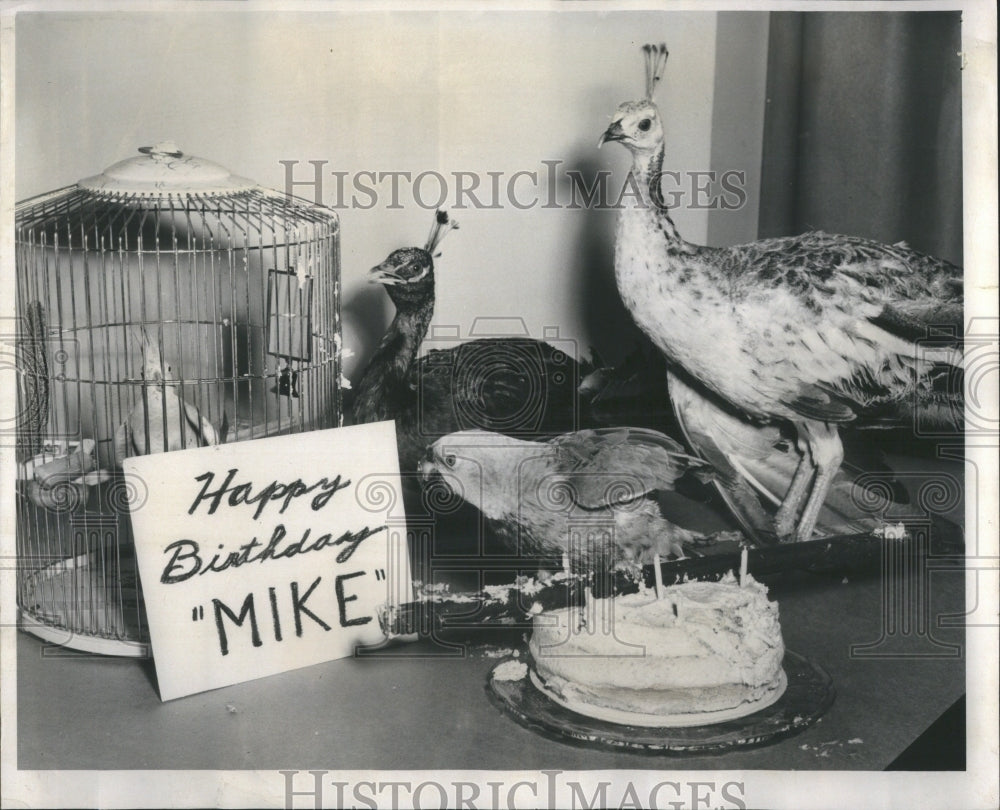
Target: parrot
x,y
161,421
589,495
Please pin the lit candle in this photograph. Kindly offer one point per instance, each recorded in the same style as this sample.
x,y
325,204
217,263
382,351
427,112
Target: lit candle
x,y
743,566
565,562
657,576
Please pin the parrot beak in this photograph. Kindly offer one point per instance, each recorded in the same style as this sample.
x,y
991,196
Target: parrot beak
x,y
427,469
385,273
612,133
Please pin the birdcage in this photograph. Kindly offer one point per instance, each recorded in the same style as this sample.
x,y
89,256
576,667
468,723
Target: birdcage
x,y
161,305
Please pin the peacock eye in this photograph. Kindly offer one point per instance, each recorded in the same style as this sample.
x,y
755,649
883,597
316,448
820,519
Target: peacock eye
x,y
645,124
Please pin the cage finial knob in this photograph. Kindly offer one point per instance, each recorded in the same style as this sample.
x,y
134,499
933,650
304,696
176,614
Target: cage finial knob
x,y
163,148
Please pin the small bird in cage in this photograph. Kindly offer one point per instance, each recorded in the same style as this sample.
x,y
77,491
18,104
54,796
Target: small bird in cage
x,y
161,421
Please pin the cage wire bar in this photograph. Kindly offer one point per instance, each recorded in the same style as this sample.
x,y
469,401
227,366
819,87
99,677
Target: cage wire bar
x,y
199,309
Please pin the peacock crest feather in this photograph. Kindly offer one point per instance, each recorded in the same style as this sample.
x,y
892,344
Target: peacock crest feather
x,y
442,226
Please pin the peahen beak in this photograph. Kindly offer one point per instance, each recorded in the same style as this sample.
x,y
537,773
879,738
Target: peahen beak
x,y
612,133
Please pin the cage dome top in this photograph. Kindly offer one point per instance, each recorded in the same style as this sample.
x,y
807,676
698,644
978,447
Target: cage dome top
x,y
162,170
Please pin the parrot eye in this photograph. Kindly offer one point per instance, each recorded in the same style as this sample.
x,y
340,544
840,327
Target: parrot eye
x,y
645,124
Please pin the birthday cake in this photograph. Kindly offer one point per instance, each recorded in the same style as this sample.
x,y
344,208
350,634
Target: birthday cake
x,y
702,650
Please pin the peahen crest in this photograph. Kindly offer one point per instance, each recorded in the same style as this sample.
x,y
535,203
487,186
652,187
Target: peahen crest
x,y
656,63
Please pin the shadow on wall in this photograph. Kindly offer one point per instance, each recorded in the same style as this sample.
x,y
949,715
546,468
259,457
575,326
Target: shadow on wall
x,y
611,331
608,334
364,320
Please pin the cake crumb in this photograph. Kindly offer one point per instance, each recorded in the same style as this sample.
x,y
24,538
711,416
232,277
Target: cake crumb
x,y
499,593
895,531
823,749
497,652
529,586
510,671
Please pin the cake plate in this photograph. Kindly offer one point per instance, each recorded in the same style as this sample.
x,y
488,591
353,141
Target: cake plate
x,y
809,693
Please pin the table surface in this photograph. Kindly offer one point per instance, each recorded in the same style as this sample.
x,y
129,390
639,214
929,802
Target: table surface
x,y
422,706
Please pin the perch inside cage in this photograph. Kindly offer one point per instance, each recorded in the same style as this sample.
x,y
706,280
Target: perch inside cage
x,y
163,304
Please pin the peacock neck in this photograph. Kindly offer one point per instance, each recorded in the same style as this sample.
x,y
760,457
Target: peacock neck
x,y
385,380
647,174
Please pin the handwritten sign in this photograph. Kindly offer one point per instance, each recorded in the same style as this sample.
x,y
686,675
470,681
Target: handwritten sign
x,y
269,555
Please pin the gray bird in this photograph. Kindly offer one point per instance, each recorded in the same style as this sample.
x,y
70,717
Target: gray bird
x,y
589,495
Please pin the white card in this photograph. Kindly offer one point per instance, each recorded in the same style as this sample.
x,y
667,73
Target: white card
x,y
263,556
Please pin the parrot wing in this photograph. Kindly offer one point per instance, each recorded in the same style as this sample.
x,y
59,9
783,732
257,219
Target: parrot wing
x,y
199,431
123,442
617,465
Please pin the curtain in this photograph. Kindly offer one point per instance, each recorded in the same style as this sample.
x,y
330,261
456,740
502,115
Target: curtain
x,y
862,132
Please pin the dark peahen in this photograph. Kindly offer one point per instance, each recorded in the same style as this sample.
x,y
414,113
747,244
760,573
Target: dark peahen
x,y
513,385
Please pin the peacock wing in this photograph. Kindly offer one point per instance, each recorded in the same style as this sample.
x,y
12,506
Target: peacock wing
x,y
913,321
504,384
820,403
893,286
841,263
738,450
756,460
907,302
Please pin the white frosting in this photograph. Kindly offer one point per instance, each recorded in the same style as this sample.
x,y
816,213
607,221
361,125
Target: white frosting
x,y
701,647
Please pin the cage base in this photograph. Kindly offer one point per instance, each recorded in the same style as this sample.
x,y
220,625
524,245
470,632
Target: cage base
x,y
101,627
68,639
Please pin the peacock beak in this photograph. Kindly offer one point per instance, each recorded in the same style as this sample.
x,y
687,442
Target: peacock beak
x,y
612,133
385,273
